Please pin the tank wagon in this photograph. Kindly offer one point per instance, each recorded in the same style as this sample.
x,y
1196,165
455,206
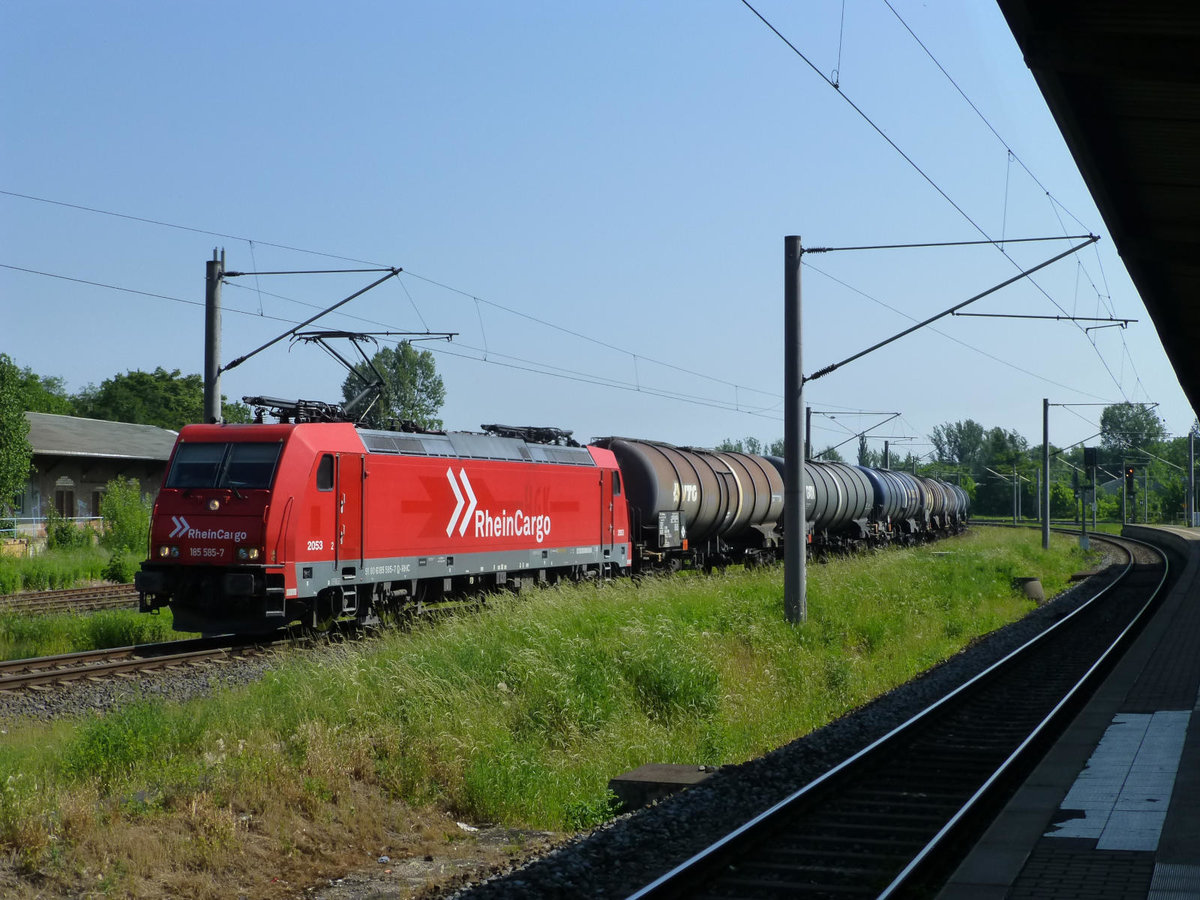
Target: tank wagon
x,y
260,526
702,507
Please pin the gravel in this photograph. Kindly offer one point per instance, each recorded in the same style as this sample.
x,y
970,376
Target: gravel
x,y
92,697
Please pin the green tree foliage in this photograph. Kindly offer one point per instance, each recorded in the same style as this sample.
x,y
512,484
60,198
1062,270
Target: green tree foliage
x,y
1063,503
1130,425
752,445
162,398
960,443
412,390
867,456
16,456
829,454
45,394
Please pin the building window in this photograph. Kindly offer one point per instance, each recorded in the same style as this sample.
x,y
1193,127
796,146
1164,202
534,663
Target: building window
x,y
97,497
64,502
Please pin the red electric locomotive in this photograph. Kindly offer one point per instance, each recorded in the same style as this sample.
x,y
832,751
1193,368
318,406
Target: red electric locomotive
x,y
259,526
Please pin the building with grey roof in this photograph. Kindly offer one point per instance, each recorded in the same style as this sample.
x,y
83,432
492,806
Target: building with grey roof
x,y
73,459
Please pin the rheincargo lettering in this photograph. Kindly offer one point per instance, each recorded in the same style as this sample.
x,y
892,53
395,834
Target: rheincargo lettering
x,y
515,525
215,534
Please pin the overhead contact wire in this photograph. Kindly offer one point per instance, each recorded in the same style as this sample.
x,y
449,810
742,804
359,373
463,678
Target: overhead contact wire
x,y
920,171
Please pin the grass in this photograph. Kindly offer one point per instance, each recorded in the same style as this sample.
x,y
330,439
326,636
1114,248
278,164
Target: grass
x,y
23,636
52,571
518,714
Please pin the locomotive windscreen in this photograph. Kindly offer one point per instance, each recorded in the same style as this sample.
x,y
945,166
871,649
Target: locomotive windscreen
x,y
232,465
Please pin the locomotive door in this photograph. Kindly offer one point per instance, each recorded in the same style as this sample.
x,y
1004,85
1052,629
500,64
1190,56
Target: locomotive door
x,y
349,513
606,513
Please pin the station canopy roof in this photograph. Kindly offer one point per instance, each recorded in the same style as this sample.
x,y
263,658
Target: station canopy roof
x,y
1122,80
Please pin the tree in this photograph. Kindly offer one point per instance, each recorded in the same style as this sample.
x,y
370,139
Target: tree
x,y
829,454
867,456
162,398
16,455
752,445
1130,425
958,442
412,391
45,394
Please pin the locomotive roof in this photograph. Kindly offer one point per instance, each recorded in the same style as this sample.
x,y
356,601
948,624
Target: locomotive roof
x,y
469,445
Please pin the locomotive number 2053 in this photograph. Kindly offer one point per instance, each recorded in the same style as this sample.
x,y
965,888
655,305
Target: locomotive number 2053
x,y
316,545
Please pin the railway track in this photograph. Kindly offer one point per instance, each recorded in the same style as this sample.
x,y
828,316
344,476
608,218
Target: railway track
x,y
94,664
112,596
891,820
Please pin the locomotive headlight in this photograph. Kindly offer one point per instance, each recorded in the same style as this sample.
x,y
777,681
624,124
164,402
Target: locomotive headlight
x,y
214,505
164,551
246,553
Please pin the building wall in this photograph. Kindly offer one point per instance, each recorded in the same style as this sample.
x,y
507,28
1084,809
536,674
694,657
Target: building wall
x,y
74,484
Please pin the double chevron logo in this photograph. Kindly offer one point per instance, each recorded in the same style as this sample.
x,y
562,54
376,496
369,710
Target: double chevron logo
x,y
458,496
181,526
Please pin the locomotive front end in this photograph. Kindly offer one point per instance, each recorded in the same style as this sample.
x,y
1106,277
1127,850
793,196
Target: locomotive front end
x,y
210,551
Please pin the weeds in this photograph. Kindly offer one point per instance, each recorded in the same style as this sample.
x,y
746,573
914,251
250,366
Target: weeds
x,y
23,636
52,571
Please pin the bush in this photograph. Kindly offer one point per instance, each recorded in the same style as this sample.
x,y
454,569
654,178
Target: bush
x,y
126,513
120,628
63,534
121,568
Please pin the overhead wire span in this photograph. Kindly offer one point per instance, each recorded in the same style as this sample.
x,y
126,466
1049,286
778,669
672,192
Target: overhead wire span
x,y
585,337
491,356
950,337
920,171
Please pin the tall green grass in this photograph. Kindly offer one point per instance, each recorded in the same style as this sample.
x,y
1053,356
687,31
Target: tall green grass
x,y
52,571
23,636
520,712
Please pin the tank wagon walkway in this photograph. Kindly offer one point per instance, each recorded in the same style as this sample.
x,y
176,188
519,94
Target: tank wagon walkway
x,y
1113,811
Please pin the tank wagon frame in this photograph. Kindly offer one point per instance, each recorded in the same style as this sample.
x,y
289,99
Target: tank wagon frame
x,y
260,526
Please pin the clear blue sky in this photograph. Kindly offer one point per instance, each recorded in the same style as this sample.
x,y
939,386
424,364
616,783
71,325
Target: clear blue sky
x,y
593,195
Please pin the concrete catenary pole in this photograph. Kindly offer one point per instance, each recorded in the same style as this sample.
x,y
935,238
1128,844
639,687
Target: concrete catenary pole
x,y
1093,498
1045,486
1016,493
214,272
1191,497
807,430
795,528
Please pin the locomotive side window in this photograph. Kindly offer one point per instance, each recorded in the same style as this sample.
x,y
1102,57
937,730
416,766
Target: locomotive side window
x,y
616,484
325,473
